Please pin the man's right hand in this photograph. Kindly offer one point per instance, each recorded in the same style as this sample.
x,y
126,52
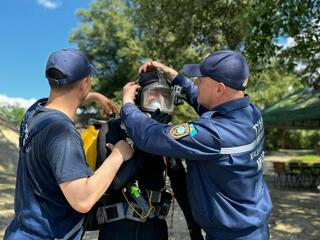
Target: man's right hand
x,y
170,72
129,92
121,148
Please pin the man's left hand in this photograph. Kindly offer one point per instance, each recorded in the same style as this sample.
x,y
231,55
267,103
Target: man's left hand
x,y
107,105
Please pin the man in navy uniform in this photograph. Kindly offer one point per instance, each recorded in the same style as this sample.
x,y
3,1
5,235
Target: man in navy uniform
x,y
224,147
55,185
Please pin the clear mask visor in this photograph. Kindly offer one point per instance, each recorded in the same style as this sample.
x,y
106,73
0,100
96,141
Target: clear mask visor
x,y
156,97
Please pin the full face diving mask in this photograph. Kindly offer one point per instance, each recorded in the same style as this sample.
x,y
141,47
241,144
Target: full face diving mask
x,y
155,93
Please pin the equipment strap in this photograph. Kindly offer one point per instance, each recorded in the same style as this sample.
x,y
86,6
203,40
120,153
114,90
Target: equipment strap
x,y
128,210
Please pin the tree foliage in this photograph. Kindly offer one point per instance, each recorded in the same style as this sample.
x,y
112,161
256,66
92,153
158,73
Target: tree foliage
x,y
109,39
272,86
118,35
291,139
180,31
268,22
12,114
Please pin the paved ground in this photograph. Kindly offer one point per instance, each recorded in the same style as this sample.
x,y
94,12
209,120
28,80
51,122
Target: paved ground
x,y
295,215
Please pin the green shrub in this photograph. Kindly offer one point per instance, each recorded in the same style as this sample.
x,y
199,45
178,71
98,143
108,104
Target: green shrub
x,y
291,139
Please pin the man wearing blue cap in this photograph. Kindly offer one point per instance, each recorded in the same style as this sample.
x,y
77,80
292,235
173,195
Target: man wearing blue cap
x,y
224,147
54,183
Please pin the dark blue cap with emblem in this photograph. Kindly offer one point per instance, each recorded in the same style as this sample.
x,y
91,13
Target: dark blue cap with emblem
x,y
225,66
71,63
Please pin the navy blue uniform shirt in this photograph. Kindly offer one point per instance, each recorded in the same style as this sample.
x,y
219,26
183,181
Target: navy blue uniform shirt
x,y
224,149
53,156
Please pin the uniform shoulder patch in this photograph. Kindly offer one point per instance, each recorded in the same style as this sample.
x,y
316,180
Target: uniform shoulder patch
x,y
180,130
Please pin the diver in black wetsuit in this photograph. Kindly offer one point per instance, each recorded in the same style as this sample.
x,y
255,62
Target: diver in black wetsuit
x,y
137,202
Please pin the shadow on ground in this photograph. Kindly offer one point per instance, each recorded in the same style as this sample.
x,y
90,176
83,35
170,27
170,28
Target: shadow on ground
x,y
295,214
9,151
8,163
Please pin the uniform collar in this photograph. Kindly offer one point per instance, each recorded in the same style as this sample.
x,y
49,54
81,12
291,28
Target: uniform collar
x,y
228,107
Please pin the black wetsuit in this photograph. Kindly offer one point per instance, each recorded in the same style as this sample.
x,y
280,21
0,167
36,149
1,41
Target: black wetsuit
x,y
149,172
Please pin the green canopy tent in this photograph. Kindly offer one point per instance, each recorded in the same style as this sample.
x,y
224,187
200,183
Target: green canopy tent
x,y
300,110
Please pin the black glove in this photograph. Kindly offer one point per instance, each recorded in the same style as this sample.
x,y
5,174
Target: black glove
x,y
161,117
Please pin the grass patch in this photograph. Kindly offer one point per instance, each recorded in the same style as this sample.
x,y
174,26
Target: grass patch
x,y
310,158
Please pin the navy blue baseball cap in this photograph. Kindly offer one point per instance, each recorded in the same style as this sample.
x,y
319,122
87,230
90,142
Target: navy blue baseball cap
x,y
225,66
73,64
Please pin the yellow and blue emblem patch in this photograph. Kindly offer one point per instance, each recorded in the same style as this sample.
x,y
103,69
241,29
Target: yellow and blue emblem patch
x,y
182,130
